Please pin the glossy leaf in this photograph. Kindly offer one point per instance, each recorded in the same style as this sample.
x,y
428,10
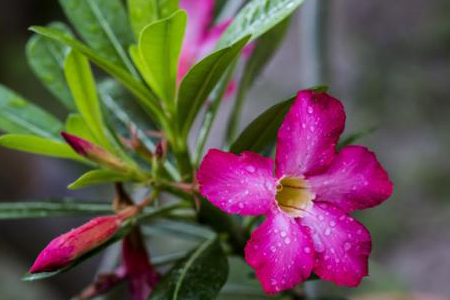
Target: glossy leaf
x,y
103,24
144,12
145,216
96,177
46,59
201,80
76,125
39,145
262,131
159,48
143,94
256,18
262,53
52,208
17,115
82,85
124,114
200,275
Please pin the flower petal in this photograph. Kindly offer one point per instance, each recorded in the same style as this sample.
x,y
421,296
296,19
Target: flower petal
x,y
341,243
237,184
355,180
309,133
281,252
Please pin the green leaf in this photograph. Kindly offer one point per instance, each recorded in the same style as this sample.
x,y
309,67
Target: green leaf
x,y
256,18
39,145
52,208
17,115
159,48
103,24
199,276
201,80
123,114
144,12
147,215
82,85
144,95
350,139
262,131
46,59
96,177
265,48
76,125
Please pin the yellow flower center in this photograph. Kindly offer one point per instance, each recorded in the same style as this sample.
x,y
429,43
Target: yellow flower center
x,y
293,196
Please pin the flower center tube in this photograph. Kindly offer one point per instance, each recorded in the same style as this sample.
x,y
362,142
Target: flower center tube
x,y
293,196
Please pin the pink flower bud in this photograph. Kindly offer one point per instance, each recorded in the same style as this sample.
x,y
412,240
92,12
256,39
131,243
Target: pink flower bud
x,y
141,274
71,245
95,153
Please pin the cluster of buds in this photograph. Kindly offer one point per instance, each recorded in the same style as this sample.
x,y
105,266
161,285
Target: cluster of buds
x,y
135,268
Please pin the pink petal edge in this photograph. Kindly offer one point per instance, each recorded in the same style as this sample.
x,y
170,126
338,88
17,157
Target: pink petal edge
x,y
309,133
355,180
281,252
237,184
341,243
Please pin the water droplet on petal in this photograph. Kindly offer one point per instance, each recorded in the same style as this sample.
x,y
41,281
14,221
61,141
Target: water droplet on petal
x,y
283,233
287,240
347,246
251,169
307,250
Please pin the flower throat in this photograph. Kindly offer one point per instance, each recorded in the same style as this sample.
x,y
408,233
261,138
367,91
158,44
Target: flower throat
x,y
293,196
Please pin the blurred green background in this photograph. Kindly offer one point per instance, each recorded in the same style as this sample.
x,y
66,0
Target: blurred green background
x,y
389,62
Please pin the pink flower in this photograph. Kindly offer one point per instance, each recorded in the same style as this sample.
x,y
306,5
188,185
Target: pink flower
x,y
307,227
201,37
139,271
67,247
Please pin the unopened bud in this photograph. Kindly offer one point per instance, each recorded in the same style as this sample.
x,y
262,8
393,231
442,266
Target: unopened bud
x,y
95,153
67,247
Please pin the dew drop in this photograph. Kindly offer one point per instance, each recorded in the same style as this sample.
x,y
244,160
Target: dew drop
x,y
327,231
332,223
287,240
273,248
283,233
251,169
347,246
310,110
307,250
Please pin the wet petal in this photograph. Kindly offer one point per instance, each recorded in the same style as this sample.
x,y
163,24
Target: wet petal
x,y
341,243
309,133
355,180
281,252
237,184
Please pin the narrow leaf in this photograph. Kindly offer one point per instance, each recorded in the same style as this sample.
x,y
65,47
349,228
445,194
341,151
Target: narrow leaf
x,y
265,48
103,24
144,95
39,145
76,125
46,59
201,80
262,131
200,275
17,115
52,208
82,85
159,47
96,177
256,18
